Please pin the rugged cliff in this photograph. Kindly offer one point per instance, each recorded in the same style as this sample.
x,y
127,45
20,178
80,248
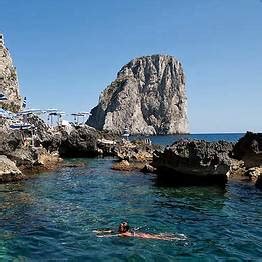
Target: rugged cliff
x,y
147,97
8,80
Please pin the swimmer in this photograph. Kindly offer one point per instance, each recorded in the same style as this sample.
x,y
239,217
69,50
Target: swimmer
x,y
124,231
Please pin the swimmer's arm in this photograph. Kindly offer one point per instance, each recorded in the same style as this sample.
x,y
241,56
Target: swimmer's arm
x,y
116,235
103,231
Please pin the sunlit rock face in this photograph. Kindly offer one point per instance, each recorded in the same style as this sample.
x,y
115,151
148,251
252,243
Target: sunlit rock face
x,y
9,86
147,97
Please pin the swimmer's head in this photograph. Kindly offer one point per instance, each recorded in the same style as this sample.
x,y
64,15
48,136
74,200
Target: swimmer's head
x,y
123,227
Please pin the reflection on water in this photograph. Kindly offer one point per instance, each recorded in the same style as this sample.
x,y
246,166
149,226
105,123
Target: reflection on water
x,y
53,216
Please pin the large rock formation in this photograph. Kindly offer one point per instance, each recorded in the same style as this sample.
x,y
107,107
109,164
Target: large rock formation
x,y
8,80
194,162
79,142
148,97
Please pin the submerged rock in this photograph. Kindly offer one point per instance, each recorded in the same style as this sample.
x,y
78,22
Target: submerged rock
x,y
148,97
124,165
194,162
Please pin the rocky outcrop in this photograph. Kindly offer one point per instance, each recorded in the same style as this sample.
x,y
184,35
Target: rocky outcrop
x,y
135,151
134,155
70,141
14,146
148,97
194,162
10,141
8,80
9,171
80,142
237,169
249,149
123,165
148,169
253,173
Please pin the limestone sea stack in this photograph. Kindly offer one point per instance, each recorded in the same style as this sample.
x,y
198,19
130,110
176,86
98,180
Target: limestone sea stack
x,y
147,97
8,80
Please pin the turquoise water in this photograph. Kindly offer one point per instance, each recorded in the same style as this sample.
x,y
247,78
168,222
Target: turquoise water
x,y
52,216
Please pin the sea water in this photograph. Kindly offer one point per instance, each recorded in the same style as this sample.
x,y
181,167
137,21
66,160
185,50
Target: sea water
x,y
52,217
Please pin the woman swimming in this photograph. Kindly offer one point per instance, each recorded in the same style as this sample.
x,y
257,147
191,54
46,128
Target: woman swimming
x,y
124,231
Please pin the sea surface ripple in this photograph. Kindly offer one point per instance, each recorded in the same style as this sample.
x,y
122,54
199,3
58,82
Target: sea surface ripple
x,y
53,215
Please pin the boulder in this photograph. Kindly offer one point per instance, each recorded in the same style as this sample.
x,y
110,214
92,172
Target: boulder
x,y
80,142
135,151
253,173
9,171
148,169
147,97
194,162
123,165
237,169
249,149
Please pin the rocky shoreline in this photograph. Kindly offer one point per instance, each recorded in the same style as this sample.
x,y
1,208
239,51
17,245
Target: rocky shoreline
x,y
189,162
197,162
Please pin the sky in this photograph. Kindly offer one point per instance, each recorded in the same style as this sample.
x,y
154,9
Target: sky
x,y
67,52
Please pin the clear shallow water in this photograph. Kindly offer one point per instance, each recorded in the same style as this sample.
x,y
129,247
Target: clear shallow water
x,y
53,215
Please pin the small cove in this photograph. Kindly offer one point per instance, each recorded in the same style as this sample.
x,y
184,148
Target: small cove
x,y
52,216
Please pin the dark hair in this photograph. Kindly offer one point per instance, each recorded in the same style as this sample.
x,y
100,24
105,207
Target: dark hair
x,y
123,227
